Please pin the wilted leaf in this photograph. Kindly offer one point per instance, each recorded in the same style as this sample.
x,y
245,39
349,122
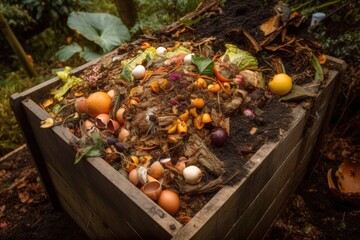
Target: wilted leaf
x,y
205,65
66,52
297,93
104,29
319,74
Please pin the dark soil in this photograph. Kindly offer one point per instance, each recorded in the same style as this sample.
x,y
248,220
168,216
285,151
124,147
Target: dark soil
x,y
25,210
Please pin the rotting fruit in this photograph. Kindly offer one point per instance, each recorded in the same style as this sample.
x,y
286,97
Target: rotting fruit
x,y
281,84
97,103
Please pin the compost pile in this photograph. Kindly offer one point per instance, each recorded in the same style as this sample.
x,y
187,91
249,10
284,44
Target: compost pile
x,y
186,108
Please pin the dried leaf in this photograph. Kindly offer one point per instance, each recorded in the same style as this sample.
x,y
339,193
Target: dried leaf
x,y
271,25
24,196
255,44
297,93
275,48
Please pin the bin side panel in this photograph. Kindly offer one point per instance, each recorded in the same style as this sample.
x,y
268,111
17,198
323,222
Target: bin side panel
x,y
222,211
121,206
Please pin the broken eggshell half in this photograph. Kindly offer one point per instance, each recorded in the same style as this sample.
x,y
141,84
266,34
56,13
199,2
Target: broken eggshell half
x,y
344,183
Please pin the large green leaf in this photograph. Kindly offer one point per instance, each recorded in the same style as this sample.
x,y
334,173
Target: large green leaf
x,y
66,52
88,54
104,29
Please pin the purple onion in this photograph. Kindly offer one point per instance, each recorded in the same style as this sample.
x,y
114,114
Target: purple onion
x,y
218,137
174,77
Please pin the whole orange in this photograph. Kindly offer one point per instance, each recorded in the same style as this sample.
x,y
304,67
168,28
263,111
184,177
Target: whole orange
x,y
97,103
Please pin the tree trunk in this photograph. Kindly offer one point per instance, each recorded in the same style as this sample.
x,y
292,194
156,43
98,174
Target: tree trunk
x,y
16,46
127,12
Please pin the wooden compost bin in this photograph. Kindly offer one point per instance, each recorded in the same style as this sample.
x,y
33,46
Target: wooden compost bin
x,y
106,205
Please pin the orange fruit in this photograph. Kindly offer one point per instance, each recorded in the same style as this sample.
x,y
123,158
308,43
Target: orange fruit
x,y
97,103
281,84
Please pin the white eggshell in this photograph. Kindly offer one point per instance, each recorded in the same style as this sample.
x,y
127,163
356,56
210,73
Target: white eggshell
x,y
192,174
138,72
160,51
187,59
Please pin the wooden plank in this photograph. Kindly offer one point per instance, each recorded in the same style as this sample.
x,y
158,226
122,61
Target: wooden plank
x,y
319,111
127,211
246,222
255,211
260,230
81,212
221,212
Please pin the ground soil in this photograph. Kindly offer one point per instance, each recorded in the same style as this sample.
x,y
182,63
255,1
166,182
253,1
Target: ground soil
x,y
312,213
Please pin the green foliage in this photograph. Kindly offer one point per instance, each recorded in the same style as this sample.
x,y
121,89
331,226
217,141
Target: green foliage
x,y
50,10
105,30
16,16
10,134
152,15
345,46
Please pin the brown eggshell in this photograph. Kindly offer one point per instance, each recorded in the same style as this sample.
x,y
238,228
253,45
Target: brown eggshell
x,y
113,125
156,170
169,201
152,190
120,115
123,134
133,177
80,105
102,120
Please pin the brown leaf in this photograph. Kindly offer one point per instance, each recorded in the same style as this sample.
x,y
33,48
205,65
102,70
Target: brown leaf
x,y
272,36
275,48
271,25
24,196
255,44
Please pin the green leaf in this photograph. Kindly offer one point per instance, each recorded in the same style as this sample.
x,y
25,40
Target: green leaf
x,y
81,154
66,52
319,74
297,93
242,59
106,30
205,65
88,54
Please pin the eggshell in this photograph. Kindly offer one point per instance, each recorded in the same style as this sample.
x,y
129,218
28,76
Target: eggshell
x,y
120,115
138,72
152,190
133,177
123,134
112,125
156,170
102,120
80,105
160,51
192,174
169,201
188,59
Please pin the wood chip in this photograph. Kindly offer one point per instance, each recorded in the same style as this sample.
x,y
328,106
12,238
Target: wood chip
x,y
253,130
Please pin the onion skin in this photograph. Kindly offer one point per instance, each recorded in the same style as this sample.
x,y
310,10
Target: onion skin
x,y
218,137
